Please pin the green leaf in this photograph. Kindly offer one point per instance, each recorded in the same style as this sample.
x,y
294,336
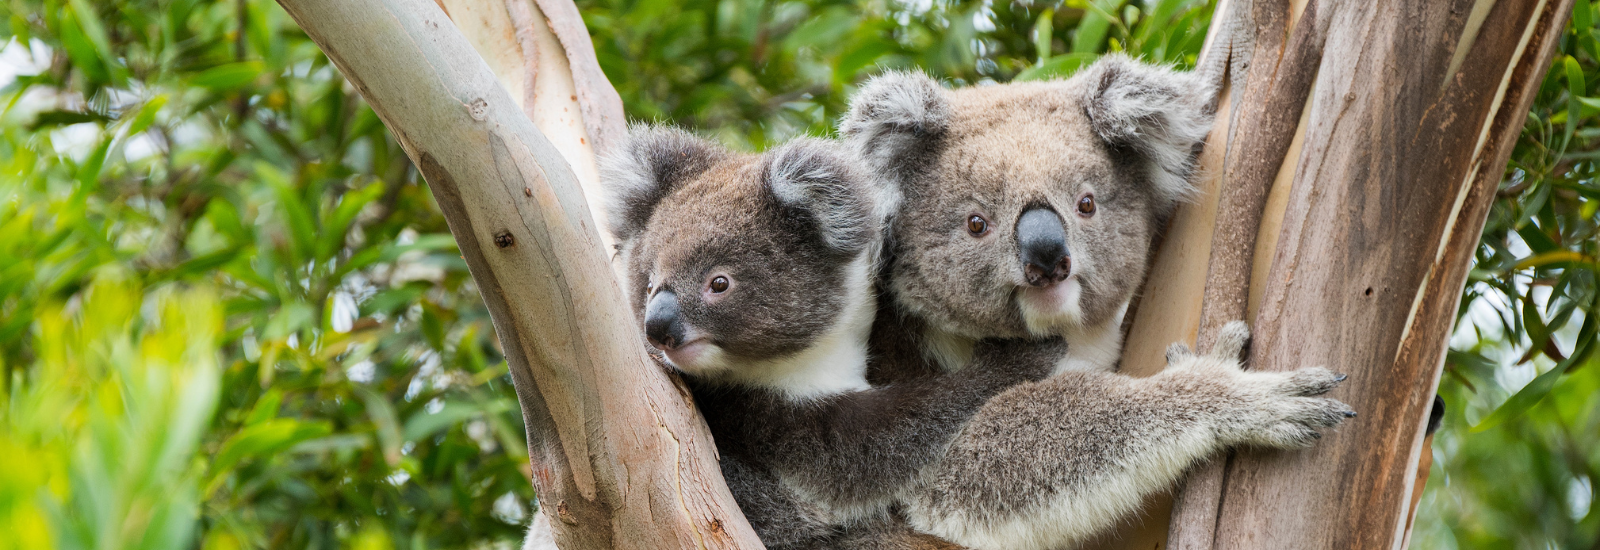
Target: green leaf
x,y
1091,32
82,51
296,215
423,424
1536,239
382,414
1582,16
228,77
201,264
89,171
261,441
432,326
147,114
266,407
54,118
95,33
336,225
1576,88
1042,36
1536,390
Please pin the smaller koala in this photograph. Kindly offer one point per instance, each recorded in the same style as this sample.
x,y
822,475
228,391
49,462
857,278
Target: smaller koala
x,y
753,275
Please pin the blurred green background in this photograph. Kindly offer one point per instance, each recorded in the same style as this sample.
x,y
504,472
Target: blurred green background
x,y
232,317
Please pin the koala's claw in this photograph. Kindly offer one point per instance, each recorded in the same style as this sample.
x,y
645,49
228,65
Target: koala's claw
x,y
1312,381
1292,422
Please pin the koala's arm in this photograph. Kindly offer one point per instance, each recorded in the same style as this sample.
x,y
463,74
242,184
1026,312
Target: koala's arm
x,y
856,453
779,517
1050,464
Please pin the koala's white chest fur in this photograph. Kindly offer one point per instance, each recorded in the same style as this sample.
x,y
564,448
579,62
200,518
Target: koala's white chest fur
x,y
1094,348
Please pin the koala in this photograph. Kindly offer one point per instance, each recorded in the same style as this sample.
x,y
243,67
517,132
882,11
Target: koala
x,y
754,276
1028,211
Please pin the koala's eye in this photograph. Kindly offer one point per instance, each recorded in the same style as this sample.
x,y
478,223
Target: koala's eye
x,y
977,226
1086,205
719,284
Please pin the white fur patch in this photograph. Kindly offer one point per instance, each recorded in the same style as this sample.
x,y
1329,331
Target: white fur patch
x,y
952,352
1046,312
1159,110
540,537
1094,348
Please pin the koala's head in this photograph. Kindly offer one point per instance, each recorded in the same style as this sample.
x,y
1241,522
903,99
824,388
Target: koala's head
x,y
1027,209
739,265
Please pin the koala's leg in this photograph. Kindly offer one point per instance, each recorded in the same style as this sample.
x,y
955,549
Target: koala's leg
x,y
1047,465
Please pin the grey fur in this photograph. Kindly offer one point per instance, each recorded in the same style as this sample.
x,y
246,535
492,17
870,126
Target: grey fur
x,y
814,454
998,150
1050,464
809,174
645,167
1159,112
1047,465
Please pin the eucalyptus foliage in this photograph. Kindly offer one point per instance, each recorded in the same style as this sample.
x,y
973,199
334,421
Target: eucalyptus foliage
x,y
231,315
1516,460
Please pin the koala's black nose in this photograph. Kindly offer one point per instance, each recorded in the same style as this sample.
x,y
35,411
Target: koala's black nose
x,y
1042,245
662,324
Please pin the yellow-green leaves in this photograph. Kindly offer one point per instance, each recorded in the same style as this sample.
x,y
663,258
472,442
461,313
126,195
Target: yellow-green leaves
x,y
99,450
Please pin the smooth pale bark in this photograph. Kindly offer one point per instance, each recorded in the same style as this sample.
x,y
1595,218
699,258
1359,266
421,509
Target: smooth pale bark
x,y
624,460
1344,230
560,87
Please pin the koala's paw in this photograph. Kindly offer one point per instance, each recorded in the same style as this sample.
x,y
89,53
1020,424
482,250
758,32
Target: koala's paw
x,y
1278,409
1225,354
1231,341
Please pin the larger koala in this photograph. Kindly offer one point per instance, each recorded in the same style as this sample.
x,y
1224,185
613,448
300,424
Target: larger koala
x,y
753,275
1027,211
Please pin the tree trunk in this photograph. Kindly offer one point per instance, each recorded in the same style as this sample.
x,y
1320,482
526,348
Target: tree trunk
x,y
1359,146
623,460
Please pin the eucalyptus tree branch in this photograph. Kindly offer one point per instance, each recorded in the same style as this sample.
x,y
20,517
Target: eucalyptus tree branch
x,y
1343,193
626,461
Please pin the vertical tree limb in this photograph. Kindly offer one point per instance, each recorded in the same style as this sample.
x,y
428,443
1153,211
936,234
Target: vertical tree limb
x,y
1278,81
1390,197
548,65
629,464
1370,184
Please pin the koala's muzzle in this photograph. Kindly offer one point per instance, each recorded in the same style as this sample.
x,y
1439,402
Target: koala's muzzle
x,y
1042,246
663,325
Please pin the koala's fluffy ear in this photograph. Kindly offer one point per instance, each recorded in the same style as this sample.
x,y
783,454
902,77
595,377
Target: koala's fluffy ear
x,y
645,167
818,178
893,119
1161,114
